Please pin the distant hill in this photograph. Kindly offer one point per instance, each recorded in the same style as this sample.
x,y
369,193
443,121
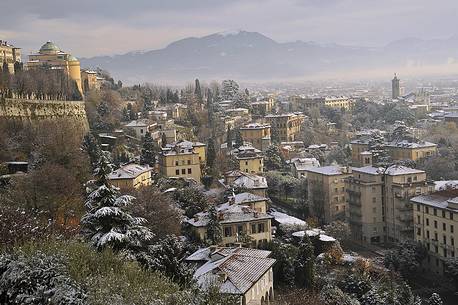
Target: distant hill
x,y
251,56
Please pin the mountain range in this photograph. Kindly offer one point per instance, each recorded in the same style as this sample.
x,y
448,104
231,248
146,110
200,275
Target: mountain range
x,y
251,56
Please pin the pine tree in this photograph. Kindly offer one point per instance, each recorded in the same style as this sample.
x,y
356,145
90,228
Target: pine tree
x,y
275,135
107,223
211,153
91,147
214,231
198,91
229,90
163,139
305,263
210,107
229,139
238,139
148,152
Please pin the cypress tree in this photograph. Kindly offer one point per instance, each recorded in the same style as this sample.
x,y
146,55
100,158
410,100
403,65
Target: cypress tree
x,y
211,153
214,231
305,263
148,153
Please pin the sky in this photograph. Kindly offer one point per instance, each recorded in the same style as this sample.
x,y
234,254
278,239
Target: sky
x,y
104,27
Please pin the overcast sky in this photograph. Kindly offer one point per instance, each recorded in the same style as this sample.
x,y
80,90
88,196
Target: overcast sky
x,y
104,27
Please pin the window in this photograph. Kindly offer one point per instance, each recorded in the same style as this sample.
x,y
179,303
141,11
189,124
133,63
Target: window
x,y
418,231
443,214
444,238
435,224
253,229
189,171
435,236
374,210
427,221
176,163
374,200
141,130
261,228
239,229
444,227
183,171
451,215
451,228
246,162
177,172
452,241
227,231
426,210
418,207
418,219
427,234
189,162
435,212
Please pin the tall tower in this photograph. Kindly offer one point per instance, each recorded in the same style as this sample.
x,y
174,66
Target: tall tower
x,y
395,87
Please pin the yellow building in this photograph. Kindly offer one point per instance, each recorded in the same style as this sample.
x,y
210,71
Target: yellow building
x,y
287,126
257,134
263,107
379,208
51,56
90,80
131,176
327,194
180,162
240,224
250,160
299,103
436,220
254,184
241,272
9,54
398,151
197,147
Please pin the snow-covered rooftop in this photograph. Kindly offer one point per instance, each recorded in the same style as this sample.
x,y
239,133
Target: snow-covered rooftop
x,y
328,170
286,219
129,171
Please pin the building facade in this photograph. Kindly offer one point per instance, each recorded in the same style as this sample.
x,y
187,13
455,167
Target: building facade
x,y
379,207
131,176
10,55
436,220
51,56
327,195
286,126
180,162
257,134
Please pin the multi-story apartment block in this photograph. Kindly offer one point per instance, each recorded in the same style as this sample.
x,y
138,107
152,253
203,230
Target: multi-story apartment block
x,y
51,56
240,224
90,80
250,161
241,272
10,55
257,134
403,150
254,184
378,198
263,107
287,126
298,103
131,176
436,220
327,195
180,162
198,147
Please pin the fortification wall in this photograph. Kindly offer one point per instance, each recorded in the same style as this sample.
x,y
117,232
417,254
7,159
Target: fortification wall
x,y
24,110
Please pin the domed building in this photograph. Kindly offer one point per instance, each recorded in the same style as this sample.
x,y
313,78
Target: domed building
x,y
51,56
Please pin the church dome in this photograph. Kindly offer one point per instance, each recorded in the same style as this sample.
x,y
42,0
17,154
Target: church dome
x,y
49,47
71,58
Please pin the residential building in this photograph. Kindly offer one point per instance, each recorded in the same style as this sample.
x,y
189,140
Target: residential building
x,y
378,198
131,176
90,80
299,103
240,225
402,150
181,162
299,166
252,183
327,194
250,159
52,57
436,226
141,127
9,54
257,134
245,273
263,107
254,202
286,126
197,147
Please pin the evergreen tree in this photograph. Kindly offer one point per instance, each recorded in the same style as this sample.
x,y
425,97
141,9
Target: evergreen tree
x,y
305,263
229,138
273,159
163,140
214,231
435,299
107,223
211,153
275,135
229,90
91,147
210,107
148,152
198,91
238,139
125,114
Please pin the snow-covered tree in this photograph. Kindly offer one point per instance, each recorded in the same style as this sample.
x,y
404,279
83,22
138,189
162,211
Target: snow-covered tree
x,y
211,153
38,279
451,269
148,152
273,159
107,223
406,258
435,299
238,139
191,200
229,89
305,263
214,230
241,100
378,149
332,295
91,147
